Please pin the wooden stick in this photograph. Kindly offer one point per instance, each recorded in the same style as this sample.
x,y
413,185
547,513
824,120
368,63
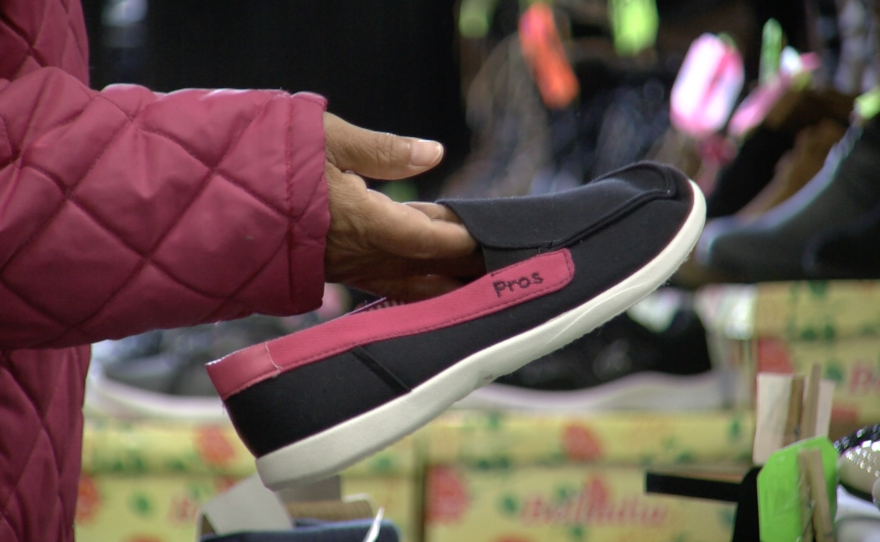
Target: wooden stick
x,y
806,502
810,462
791,433
810,412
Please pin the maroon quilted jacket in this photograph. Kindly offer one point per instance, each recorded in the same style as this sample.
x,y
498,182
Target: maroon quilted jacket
x,y
125,210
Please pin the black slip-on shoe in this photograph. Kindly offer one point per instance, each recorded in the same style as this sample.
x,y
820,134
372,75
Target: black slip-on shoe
x,y
312,403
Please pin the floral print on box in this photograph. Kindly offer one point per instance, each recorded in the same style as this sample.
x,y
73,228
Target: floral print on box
x,y
506,441
853,364
787,327
213,446
446,498
818,310
88,501
160,508
145,480
568,503
115,446
580,444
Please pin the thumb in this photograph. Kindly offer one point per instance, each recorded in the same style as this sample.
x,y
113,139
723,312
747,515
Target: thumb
x,y
375,154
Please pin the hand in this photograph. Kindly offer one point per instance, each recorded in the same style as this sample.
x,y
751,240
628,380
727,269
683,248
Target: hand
x,y
402,251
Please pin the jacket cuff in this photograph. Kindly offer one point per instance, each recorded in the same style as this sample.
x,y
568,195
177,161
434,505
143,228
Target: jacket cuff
x,y
307,200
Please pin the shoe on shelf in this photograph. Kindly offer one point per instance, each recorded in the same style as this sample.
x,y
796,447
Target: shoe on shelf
x,y
848,253
161,373
621,365
749,173
772,247
557,266
796,167
755,164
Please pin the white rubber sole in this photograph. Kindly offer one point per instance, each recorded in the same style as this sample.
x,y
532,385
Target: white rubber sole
x,y
641,391
343,445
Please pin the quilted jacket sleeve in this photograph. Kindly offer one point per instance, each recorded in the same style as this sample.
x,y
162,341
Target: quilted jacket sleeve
x,y
126,210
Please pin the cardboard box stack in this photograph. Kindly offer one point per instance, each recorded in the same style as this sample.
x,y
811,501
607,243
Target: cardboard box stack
x,y
787,327
145,480
494,477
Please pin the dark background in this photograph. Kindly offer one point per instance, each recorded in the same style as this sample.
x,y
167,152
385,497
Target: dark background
x,y
389,65
383,65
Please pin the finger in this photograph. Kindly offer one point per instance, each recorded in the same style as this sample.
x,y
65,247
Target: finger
x,y
435,211
405,231
375,154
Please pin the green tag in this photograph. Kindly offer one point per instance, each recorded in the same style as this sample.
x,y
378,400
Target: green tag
x,y
634,24
475,17
771,51
868,104
779,502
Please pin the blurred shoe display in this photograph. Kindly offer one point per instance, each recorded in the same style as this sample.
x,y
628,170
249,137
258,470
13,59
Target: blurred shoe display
x,y
846,253
797,167
622,365
772,246
523,146
755,164
749,172
161,373
510,127
692,274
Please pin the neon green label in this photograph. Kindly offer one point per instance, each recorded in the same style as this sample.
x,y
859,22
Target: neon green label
x,y
634,24
771,51
868,104
475,17
779,505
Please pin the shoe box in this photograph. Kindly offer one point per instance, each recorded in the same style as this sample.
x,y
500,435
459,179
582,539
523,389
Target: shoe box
x,y
468,475
787,327
147,479
519,477
548,504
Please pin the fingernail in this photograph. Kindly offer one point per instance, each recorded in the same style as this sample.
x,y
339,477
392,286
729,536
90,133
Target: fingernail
x,y
425,153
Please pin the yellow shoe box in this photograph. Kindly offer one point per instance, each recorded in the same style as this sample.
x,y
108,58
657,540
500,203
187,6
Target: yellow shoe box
x,y
517,477
563,503
787,327
145,480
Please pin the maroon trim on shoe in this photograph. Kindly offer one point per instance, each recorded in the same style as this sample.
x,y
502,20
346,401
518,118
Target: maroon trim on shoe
x,y
515,284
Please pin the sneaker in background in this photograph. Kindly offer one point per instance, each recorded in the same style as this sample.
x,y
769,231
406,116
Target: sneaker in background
x,y
161,373
654,356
